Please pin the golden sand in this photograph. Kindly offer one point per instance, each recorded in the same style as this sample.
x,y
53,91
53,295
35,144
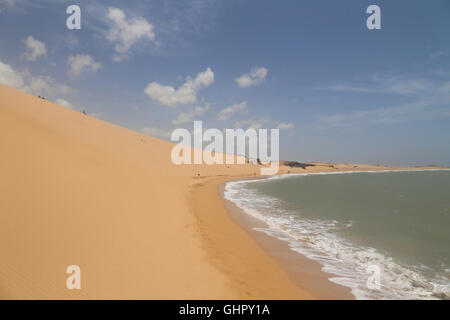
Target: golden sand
x,y
76,190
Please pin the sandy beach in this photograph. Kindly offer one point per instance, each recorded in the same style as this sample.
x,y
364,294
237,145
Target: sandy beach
x,y
78,190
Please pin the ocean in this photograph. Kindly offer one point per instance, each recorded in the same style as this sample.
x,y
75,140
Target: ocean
x,y
351,223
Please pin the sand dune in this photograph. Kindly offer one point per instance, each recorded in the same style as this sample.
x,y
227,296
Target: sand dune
x,y
77,190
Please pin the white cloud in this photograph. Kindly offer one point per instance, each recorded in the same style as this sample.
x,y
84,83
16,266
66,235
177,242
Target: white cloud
x,y
125,33
255,77
65,103
44,85
186,93
185,117
421,110
283,125
4,4
386,84
9,77
35,49
259,123
407,85
436,55
157,132
35,85
81,63
430,101
251,123
229,111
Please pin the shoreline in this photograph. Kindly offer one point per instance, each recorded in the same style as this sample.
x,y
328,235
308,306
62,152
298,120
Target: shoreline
x,y
304,272
251,272
82,191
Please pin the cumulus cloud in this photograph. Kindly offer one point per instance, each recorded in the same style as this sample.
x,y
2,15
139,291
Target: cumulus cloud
x,y
251,123
34,49
186,93
36,85
125,33
65,103
9,77
255,77
283,125
185,117
81,63
157,132
229,111
4,4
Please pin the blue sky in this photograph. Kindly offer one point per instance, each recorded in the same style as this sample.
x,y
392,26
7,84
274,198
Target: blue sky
x,y
338,91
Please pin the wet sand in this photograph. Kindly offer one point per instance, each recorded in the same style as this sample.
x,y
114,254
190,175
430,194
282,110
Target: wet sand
x,y
80,191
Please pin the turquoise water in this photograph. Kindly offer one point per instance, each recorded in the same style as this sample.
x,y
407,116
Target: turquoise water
x,y
397,221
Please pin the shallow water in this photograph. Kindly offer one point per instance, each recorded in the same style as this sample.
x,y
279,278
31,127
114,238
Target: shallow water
x,y
398,222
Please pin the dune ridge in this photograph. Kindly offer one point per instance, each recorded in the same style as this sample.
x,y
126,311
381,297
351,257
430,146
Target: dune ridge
x,y
78,190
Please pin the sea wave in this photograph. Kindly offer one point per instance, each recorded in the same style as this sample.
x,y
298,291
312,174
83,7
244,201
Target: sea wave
x,y
317,240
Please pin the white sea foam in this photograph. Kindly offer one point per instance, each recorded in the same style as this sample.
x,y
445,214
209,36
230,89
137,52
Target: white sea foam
x,y
316,240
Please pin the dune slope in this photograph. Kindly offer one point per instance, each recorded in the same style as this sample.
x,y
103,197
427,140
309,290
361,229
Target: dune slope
x,y
78,190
